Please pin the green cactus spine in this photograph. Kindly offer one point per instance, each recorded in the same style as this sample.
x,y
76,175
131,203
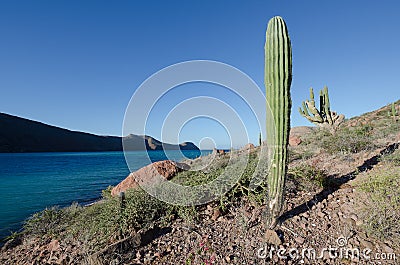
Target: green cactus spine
x,y
278,78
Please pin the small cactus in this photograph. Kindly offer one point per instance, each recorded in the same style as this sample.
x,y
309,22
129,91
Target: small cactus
x,y
394,112
278,78
324,117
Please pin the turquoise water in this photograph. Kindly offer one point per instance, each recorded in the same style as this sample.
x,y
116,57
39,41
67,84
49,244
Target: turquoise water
x,y
30,182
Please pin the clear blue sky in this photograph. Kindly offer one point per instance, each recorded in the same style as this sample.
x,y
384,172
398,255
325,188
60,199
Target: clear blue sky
x,y
76,64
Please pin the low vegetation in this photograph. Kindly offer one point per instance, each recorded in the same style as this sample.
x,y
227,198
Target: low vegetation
x,y
349,140
346,140
307,178
381,205
112,220
100,224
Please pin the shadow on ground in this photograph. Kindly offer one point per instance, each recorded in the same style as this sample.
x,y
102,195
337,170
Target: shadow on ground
x,y
336,183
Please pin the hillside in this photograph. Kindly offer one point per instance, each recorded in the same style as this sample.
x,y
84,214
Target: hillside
x,y
342,193
135,142
23,135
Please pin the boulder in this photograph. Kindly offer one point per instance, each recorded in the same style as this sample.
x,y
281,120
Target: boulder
x,y
296,133
53,246
217,152
294,140
248,146
272,237
302,130
148,174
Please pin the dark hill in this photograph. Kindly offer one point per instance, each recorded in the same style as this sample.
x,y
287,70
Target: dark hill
x,y
23,135
142,142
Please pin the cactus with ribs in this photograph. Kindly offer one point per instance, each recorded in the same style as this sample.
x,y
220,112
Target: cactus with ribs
x,y
278,78
324,117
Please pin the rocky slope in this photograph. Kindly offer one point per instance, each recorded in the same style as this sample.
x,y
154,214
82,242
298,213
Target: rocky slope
x,y
342,207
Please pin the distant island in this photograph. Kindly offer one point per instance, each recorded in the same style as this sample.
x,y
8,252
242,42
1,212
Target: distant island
x,y
20,135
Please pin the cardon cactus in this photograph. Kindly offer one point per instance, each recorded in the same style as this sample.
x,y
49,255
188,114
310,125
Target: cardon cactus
x,y
278,78
324,117
394,112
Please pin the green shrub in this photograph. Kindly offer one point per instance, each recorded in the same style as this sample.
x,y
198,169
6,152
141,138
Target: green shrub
x,y
304,154
381,213
50,221
219,166
106,194
141,209
307,178
101,223
392,158
349,140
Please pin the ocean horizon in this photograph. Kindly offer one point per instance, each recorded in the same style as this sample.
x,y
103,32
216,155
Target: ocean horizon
x,y
32,182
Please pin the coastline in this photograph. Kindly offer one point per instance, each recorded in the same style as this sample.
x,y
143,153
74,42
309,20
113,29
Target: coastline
x,y
63,178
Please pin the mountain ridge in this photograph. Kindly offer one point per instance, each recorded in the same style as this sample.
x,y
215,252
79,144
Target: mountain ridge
x,y
22,135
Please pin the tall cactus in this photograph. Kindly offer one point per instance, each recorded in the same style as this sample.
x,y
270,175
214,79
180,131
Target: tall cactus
x,y
278,78
324,117
394,112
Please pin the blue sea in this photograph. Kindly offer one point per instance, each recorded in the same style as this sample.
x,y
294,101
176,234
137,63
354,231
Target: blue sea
x,y
31,182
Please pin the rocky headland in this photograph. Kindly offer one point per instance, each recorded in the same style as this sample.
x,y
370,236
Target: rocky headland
x,y
20,135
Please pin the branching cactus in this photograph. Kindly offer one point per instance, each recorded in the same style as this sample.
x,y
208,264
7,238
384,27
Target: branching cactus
x,y
278,78
324,117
